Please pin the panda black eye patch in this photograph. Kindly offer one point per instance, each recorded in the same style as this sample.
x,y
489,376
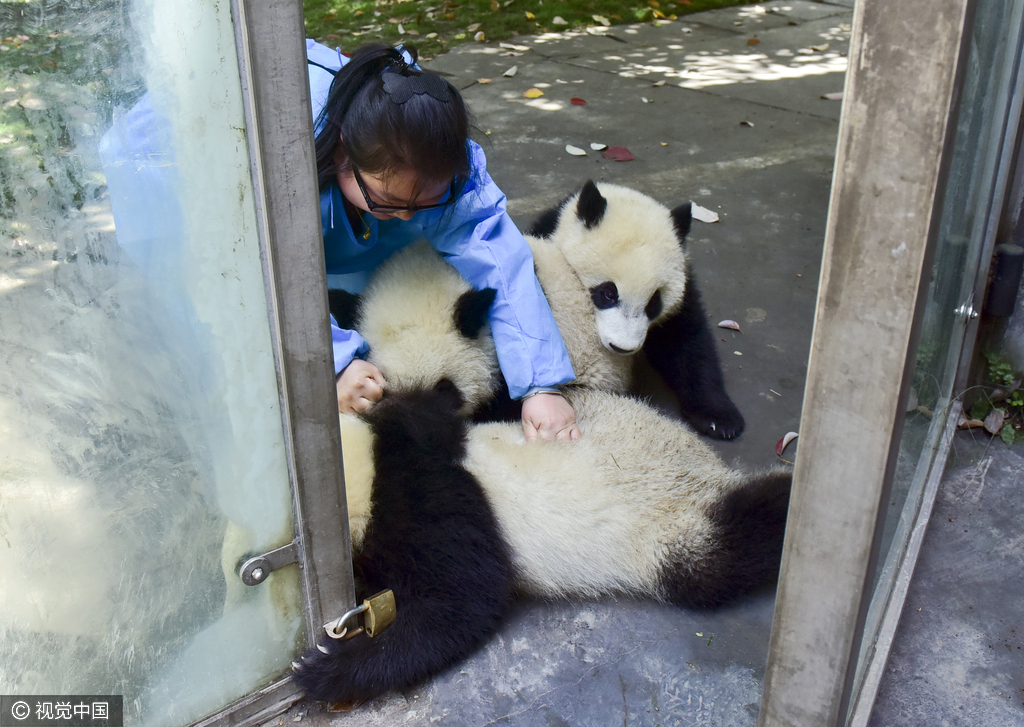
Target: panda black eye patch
x,y
605,295
654,306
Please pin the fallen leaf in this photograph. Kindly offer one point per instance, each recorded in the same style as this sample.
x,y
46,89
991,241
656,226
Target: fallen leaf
x,y
401,30
598,147
664,143
618,154
602,20
513,46
530,16
577,102
511,71
965,423
994,421
730,324
494,5
753,41
559,20
746,123
702,213
659,83
784,442
483,80
533,93
480,37
645,99
658,14
820,48
654,3
473,27
837,96
1007,434
575,150
737,353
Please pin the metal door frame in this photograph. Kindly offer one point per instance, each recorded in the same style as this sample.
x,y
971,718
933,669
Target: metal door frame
x,y
270,38
891,162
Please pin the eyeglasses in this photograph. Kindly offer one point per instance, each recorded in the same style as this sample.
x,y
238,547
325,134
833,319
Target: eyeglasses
x,y
388,209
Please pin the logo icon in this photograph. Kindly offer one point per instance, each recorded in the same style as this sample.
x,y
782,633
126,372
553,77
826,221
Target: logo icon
x,y
20,710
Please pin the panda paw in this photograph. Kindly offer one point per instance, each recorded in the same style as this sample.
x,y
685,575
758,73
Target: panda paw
x,y
721,422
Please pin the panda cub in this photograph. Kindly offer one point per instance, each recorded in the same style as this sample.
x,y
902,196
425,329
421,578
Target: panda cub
x,y
613,264
639,505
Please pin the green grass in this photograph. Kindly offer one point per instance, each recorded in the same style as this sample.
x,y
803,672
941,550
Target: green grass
x,y
433,26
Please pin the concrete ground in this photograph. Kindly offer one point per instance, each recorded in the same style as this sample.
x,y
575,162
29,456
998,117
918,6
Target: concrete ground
x,y
724,108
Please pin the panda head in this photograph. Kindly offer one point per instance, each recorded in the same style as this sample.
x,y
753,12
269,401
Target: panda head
x,y
426,326
628,252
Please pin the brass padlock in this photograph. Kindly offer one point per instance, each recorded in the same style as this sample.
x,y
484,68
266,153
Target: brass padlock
x,y
380,612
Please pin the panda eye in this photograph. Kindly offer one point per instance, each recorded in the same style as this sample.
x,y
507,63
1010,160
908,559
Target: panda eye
x,y
653,309
605,295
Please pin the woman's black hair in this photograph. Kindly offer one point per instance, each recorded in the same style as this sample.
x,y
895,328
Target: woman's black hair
x,y
378,135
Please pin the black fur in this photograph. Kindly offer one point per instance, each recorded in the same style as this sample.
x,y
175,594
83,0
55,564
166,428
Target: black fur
x,y
682,217
544,226
344,306
591,206
605,295
472,310
501,407
744,552
682,350
434,541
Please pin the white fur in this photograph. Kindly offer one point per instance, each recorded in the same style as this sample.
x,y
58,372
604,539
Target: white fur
x,y
415,292
634,246
604,513
595,365
357,451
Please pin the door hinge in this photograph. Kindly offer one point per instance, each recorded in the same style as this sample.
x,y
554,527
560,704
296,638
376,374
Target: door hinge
x,y
256,569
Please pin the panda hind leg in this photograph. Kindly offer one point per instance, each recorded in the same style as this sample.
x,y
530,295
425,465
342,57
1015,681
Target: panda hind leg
x,y
743,548
682,350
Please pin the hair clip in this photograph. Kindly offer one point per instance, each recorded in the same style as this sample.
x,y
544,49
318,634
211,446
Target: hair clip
x,y
401,88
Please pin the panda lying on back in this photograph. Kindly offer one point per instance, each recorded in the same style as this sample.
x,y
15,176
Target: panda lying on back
x,y
612,263
639,505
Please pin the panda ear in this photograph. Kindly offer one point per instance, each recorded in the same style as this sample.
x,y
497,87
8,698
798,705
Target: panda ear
x,y
591,206
471,311
681,219
344,306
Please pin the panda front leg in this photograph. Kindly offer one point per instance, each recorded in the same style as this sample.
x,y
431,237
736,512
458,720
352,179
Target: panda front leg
x,y
682,350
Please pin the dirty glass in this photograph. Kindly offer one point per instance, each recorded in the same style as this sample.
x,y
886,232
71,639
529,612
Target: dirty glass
x,y
967,218
141,445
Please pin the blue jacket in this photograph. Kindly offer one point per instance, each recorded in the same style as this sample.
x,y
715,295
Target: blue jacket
x,y
475,235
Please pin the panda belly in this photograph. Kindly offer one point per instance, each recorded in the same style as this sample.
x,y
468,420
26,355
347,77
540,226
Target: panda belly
x,y
605,513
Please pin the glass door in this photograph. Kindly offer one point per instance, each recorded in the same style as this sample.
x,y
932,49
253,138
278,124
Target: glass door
x,y
142,452
987,121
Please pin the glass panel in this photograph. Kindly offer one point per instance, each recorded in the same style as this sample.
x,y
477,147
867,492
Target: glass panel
x,y
965,220
141,446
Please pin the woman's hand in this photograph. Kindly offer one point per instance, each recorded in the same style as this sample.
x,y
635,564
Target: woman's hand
x,y
549,417
360,385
